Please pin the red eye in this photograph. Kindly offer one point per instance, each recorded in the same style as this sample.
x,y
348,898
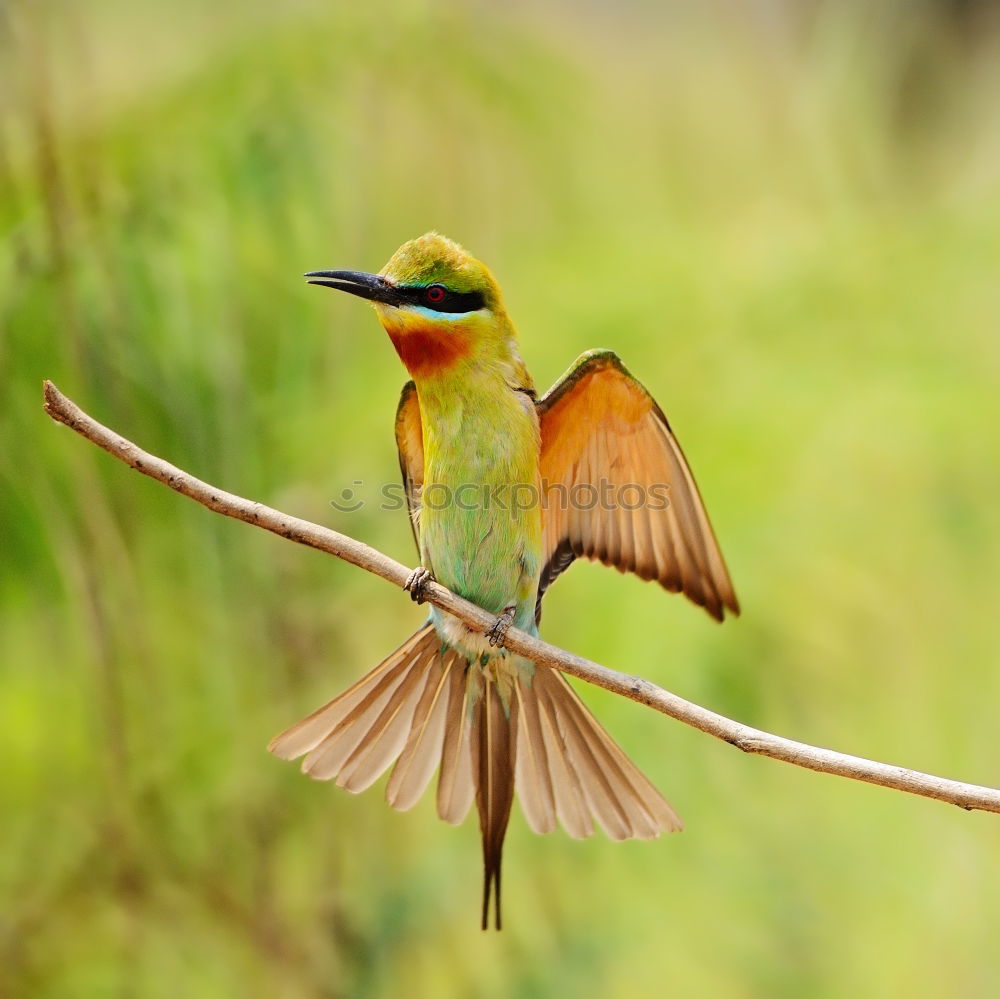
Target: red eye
x,y
435,294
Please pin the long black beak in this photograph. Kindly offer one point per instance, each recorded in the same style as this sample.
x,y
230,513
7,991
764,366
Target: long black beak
x,y
370,286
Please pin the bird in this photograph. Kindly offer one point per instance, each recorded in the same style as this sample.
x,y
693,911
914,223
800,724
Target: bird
x,y
505,490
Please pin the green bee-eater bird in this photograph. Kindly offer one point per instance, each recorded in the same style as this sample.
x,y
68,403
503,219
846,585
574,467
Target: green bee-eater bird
x,y
521,486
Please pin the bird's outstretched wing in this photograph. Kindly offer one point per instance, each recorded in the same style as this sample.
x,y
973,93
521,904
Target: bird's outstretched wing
x,y
410,441
617,488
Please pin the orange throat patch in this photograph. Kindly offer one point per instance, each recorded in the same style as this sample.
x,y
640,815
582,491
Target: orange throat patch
x,y
428,350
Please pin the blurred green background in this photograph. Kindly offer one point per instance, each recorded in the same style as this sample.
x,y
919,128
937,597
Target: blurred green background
x,y
784,216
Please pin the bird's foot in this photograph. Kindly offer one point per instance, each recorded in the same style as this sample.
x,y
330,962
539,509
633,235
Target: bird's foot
x,y
416,581
500,627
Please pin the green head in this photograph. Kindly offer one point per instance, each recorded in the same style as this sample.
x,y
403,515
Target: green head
x,y
441,307
432,261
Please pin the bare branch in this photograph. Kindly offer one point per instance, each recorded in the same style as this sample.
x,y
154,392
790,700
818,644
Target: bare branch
x,y
750,740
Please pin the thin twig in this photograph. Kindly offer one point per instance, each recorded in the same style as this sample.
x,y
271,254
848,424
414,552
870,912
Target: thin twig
x,y
750,740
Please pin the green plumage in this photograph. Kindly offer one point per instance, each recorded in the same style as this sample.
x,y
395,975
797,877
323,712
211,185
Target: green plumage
x,y
480,527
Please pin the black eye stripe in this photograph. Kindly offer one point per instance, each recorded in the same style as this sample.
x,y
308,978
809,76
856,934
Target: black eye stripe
x,y
453,301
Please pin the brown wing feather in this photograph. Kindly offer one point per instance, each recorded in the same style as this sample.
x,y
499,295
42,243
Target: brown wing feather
x,y
606,445
410,441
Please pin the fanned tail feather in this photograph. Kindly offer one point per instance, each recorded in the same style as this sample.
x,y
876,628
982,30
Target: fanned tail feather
x,y
570,769
490,728
494,749
398,713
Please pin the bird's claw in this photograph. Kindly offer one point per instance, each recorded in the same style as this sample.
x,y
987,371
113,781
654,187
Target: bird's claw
x,y
416,581
500,627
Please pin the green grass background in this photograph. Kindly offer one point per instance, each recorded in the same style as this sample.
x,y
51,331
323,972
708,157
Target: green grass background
x,y
786,219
